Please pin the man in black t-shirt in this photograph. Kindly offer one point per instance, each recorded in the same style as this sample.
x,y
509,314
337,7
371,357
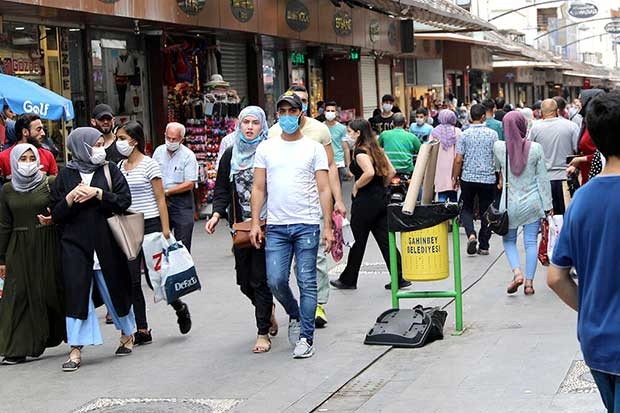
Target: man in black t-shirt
x,y
102,119
385,119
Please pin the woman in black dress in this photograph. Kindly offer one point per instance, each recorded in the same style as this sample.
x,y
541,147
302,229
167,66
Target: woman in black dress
x,y
95,269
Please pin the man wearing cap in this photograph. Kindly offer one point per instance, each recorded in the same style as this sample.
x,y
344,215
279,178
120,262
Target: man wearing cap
x,y
291,174
179,169
319,132
103,120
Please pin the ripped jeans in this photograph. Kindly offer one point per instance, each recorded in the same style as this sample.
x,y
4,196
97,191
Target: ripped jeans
x,y
302,240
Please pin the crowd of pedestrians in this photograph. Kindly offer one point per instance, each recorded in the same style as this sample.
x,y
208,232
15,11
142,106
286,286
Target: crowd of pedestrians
x,y
520,160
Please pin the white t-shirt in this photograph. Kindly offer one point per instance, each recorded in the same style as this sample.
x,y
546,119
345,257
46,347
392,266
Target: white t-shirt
x,y
139,181
292,193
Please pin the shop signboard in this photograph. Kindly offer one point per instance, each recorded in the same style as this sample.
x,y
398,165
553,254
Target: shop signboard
x,y
297,15
242,10
374,30
191,7
613,27
583,10
343,23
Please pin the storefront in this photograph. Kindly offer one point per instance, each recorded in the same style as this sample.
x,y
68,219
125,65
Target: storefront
x,y
514,84
467,70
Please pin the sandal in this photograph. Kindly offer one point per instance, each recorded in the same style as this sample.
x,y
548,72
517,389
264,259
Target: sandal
x,y
126,346
262,348
514,284
74,361
273,329
529,289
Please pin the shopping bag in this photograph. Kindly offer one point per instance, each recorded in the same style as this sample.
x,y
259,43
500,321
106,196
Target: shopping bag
x,y
543,257
181,278
555,226
1,287
347,233
154,247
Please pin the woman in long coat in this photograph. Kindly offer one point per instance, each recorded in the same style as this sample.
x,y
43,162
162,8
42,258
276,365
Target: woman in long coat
x,y
32,315
95,269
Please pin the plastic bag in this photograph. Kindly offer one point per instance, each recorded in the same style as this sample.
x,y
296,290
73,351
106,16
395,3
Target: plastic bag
x,y
181,278
347,233
154,248
555,226
543,257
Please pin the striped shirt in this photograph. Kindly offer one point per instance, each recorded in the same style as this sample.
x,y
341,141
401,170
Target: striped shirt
x,y
139,180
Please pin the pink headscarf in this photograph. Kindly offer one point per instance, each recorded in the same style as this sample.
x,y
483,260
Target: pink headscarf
x,y
445,131
518,147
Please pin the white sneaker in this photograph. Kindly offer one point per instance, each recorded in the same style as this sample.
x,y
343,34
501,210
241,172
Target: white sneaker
x,y
294,329
303,350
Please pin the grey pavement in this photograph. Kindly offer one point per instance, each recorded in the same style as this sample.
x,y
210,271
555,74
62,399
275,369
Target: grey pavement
x,y
518,354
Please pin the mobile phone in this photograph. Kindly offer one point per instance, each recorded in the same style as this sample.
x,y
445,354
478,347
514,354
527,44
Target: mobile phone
x,y
569,158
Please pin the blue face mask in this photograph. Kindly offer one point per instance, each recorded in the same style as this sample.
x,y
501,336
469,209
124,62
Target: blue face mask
x,y
289,123
304,107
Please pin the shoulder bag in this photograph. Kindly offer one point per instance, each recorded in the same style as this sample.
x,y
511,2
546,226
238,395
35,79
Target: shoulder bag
x,y
128,229
498,221
241,230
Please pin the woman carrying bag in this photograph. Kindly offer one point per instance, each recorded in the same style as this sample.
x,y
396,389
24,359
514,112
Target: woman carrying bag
x,y
147,196
32,314
233,188
529,196
94,267
372,171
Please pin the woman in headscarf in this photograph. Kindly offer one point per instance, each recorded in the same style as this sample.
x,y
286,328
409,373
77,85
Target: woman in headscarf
x,y
587,147
233,188
31,308
447,134
529,196
528,114
95,268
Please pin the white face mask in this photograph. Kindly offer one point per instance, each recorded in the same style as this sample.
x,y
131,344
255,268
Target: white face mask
x,y
420,121
173,146
330,115
27,168
124,148
387,107
97,156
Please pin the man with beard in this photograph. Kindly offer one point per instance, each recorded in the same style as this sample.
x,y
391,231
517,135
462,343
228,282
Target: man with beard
x,y
29,129
103,120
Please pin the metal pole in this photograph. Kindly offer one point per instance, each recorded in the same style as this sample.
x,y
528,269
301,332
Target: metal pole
x,y
585,38
524,7
393,268
573,24
458,288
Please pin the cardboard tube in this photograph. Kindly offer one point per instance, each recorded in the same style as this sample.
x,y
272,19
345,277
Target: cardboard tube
x,y
416,179
428,187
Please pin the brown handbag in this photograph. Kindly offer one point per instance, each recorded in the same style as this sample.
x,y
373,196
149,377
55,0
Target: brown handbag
x,y
241,230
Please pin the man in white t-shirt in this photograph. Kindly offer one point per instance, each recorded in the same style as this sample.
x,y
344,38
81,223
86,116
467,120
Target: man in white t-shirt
x,y
290,172
319,132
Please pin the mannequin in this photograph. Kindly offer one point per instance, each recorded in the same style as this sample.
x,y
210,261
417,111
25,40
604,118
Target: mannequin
x,y
124,67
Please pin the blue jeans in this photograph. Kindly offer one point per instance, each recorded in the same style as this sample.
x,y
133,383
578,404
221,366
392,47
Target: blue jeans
x,y
609,387
530,239
282,241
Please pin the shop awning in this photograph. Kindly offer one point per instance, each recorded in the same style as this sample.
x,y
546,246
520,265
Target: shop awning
x,y
435,15
527,63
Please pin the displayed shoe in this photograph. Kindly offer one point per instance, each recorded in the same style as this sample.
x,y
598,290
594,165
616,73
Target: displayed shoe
x,y
11,361
320,319
303,349
184,319
126,347
402,284
342,286
294,329
140,338
483,252
472,246
75,359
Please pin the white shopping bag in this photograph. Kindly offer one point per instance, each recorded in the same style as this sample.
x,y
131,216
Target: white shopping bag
x,y
555,226
154,247
181,278
347,234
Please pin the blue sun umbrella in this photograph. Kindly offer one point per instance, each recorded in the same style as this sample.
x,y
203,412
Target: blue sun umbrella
x,y
24,96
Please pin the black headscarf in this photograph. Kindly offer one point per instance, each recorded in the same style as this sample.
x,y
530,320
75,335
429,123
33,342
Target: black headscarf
x,y
586,97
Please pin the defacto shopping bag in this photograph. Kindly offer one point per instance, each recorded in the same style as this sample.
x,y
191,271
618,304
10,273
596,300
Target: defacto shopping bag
x,y
181,278
555,226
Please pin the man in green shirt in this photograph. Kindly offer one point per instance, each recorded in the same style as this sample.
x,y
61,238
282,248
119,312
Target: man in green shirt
x,y
400,145
491,122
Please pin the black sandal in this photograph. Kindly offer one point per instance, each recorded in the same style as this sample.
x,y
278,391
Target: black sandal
x,y
126,347
73,363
